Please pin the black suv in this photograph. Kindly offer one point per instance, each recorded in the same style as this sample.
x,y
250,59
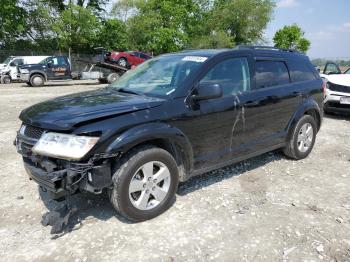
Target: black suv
x,y
173,117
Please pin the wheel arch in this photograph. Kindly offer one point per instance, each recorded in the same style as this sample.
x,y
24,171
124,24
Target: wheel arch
x,y
309,107
38,72
160,135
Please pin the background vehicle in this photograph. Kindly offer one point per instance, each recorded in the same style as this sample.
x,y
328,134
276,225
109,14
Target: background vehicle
x,y
337,97
51,68
127,59
171,118
9,68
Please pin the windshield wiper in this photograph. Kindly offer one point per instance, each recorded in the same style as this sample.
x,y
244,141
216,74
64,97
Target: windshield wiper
x,y
128,91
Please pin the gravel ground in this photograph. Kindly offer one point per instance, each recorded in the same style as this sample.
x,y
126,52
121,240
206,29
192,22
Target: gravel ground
x,y
268,208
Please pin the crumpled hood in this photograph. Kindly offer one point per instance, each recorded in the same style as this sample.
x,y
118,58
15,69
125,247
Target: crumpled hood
x,y
63,113
341,79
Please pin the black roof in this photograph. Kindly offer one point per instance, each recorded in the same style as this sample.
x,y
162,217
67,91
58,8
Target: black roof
x,y
259,50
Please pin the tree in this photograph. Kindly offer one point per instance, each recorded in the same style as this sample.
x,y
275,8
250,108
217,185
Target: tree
x,y
243,20
12,20
112,35
214,40
76,28
291,37
161,26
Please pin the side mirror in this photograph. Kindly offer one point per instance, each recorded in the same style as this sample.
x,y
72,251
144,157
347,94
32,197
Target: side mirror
x,y
206,91
49,64
12,64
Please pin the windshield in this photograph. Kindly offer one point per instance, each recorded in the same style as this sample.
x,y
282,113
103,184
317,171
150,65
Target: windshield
x,y
160,76
8,60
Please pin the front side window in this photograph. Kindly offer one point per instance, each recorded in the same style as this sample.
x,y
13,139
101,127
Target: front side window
x,y
160,76
61,61
271,73
17,62
231,74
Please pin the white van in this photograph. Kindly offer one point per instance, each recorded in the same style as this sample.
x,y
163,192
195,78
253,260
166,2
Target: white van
x,y
9,68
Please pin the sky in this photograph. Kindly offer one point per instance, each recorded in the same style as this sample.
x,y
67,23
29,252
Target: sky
x,y
326,24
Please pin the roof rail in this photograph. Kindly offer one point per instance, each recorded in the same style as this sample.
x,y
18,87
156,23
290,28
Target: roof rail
x,y
265,48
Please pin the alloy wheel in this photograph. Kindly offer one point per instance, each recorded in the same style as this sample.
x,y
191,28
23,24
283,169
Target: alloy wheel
x,y
150,185
305,137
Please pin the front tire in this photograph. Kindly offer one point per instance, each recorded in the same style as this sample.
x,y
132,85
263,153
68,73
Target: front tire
x,y
145,182
6,80
37,80
303,138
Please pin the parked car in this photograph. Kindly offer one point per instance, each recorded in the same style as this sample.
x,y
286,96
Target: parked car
x,y
172,117
127,59
51,68
337,97
9,68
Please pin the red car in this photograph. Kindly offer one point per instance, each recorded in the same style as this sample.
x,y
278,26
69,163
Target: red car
x,y
127,59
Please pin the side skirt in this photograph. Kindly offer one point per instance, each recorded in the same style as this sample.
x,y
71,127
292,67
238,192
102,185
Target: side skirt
x,y
235,160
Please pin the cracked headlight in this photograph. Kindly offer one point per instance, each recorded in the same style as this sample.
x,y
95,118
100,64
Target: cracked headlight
x,y
70,147
24,71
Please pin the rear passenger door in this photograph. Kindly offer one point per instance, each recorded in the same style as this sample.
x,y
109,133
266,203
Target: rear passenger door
x,y
271,104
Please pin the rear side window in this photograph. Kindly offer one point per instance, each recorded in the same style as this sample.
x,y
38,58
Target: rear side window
x,y
271,73
299,71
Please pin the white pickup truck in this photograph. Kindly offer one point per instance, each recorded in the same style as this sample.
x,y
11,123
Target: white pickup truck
x,y
9,68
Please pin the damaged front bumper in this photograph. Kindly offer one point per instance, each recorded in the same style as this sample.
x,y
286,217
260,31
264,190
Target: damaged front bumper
x,y
62,177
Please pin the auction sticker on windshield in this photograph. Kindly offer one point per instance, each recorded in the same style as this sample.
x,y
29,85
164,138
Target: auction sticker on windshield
x,y
345,100
199,59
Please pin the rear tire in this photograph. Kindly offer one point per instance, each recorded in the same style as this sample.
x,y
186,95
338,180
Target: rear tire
x,y
135,180
37,80
303,138
112,78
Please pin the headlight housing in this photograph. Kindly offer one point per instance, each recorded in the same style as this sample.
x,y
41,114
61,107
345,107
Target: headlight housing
x,y
69,147
24,71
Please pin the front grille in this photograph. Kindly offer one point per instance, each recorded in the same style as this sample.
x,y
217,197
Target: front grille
x,y
33,132
338,88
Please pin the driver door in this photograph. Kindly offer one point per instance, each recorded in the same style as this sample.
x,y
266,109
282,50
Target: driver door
x,y
57,68
218,123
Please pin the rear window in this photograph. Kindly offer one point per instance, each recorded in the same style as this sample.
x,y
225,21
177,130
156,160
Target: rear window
x,y
271,73
300,71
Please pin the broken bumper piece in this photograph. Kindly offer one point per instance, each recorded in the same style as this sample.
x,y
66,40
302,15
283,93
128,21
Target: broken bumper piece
x,y
71,179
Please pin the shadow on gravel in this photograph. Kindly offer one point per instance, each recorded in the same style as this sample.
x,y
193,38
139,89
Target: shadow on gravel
x,y
77,210
215,176
71,214
335,116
